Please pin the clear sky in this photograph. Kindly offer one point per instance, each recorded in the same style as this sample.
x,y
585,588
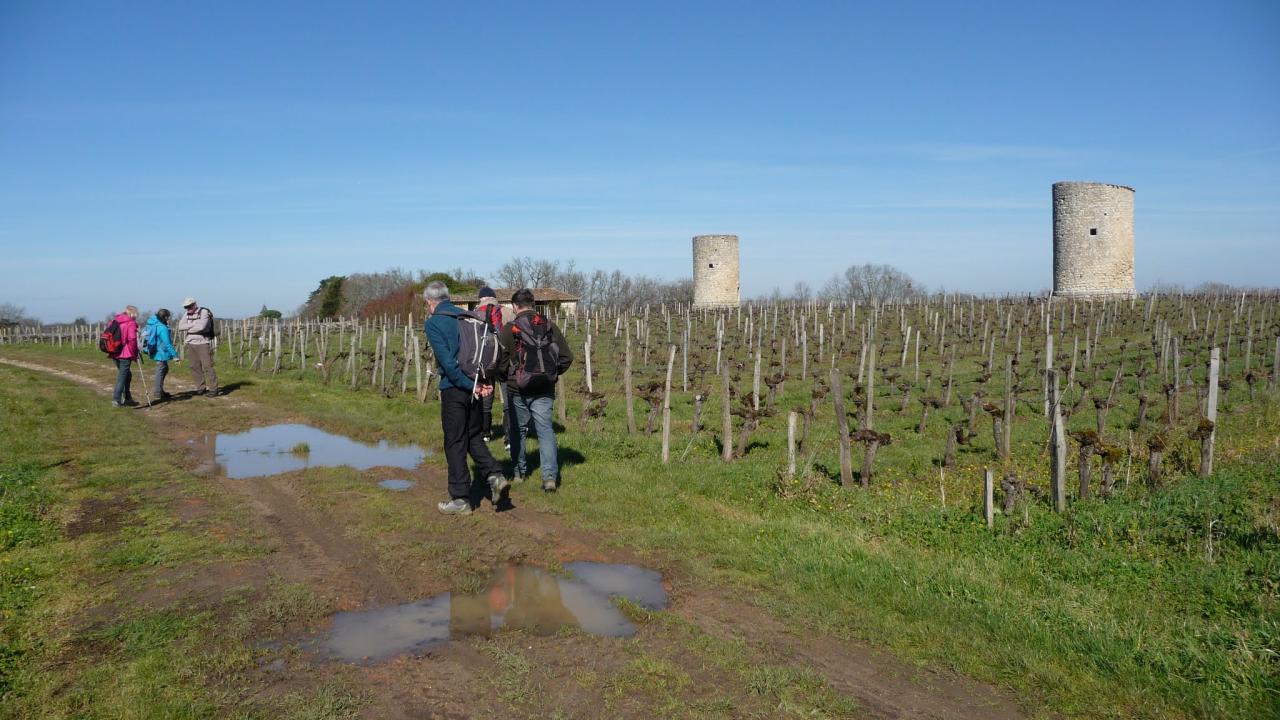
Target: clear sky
x,y
241,151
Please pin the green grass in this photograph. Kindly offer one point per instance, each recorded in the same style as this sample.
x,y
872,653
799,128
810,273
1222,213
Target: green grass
x,y
61,446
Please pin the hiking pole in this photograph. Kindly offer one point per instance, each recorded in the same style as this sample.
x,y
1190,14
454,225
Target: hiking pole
x,y
143,374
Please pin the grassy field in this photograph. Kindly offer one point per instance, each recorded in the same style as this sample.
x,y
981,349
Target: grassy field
x,y
1149,603
78,640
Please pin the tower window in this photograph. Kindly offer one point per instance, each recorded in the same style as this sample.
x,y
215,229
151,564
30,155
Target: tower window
x,y
711,265
1093,231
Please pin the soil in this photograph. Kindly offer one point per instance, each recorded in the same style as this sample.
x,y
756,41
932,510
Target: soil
x,y
567,674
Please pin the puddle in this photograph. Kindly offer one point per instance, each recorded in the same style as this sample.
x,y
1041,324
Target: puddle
x,y
283,448
396,484
519,596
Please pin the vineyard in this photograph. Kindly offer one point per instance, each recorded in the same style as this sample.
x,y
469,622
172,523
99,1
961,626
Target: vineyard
x,y
1075,500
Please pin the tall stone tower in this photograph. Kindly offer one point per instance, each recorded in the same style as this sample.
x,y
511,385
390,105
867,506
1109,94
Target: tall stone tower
x,y
715,271
1092,240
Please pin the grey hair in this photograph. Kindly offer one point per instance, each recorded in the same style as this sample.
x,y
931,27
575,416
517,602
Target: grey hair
x,y
436,290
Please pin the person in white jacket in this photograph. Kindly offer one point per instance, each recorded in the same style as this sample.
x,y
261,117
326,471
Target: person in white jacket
x,y
197,329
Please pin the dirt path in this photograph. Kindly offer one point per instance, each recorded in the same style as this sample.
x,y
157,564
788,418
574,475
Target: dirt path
x,y
315,544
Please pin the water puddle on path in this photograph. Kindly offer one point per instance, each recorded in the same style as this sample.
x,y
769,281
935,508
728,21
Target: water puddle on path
x,y
279,449
396,484
519,596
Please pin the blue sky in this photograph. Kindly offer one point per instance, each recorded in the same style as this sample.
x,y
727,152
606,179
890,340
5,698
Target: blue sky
x,y
239,152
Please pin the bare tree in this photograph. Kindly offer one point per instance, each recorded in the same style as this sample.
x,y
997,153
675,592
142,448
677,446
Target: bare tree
x,y
866,282
11,314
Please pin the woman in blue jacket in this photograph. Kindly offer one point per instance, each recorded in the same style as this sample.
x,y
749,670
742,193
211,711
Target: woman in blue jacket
x,y
159,345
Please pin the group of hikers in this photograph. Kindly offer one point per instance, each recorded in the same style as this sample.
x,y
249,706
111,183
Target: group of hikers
x,y
517,349
122,343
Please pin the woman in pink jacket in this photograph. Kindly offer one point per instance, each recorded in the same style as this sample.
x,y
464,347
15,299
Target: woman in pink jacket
x,y
128,321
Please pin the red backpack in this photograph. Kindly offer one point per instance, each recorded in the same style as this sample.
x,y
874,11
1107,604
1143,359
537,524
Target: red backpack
x,y
494,315
111,341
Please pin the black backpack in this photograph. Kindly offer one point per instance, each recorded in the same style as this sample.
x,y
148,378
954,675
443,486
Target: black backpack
x,y
536,364
111,341
212,331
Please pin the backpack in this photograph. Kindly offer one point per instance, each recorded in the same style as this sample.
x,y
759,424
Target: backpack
x,y
149,340
536,364
212,330
477,345
111,341
493,313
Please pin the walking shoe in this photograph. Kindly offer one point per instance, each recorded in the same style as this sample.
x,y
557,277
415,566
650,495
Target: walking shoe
x,y
498,484
201,391
549,485
116,403
130,403
517,479
215,393
456,506
166,396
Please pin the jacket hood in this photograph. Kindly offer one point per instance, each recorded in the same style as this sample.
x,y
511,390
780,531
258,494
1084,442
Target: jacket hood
x,y
153,320
123,318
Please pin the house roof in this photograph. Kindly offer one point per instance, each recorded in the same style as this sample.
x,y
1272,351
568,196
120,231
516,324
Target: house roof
x,y
540,295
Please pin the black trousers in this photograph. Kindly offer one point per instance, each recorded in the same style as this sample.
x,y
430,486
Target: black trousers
x,y
463,435
486,414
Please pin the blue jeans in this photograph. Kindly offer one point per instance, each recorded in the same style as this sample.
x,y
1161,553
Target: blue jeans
x,y
124,378
535,408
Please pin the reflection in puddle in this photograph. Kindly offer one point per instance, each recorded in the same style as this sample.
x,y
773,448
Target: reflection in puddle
x,y
283,448
396,484
523,597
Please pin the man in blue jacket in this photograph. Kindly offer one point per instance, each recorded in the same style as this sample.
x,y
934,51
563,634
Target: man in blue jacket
x,y
460,408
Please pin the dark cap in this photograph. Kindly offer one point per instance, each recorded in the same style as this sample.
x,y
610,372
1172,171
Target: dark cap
x,y
487,291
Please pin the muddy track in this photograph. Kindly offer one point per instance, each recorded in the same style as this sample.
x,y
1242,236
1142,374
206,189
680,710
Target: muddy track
x,y
311,548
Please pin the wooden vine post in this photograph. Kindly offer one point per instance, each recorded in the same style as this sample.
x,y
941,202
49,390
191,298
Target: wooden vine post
x,y
1209,427
627,388
666,408
1057,445
726,416
988,498
842,427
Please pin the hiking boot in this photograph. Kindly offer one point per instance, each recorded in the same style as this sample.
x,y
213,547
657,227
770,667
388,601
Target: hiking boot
x,y
456,506
517,479
201,391
498,484
130,403
549,485
215,393
116,403
166,396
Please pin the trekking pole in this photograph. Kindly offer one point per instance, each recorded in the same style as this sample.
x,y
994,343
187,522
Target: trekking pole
x,y
143,374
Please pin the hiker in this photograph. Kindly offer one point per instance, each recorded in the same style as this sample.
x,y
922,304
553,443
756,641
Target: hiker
x,y
158,344
128,322
460,407
534,355
496,316
198,327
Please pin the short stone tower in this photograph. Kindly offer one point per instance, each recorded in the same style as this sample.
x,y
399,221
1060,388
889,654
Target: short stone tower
x,y
1092,240
715,271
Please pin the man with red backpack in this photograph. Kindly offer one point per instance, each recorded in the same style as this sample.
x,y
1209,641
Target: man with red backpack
x,y
534,354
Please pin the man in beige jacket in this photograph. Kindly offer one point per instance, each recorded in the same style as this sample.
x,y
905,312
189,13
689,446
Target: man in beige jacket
x,y
197,329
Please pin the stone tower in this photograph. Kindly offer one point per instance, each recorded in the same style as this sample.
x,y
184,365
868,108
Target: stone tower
x,y
1092,240
715,271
